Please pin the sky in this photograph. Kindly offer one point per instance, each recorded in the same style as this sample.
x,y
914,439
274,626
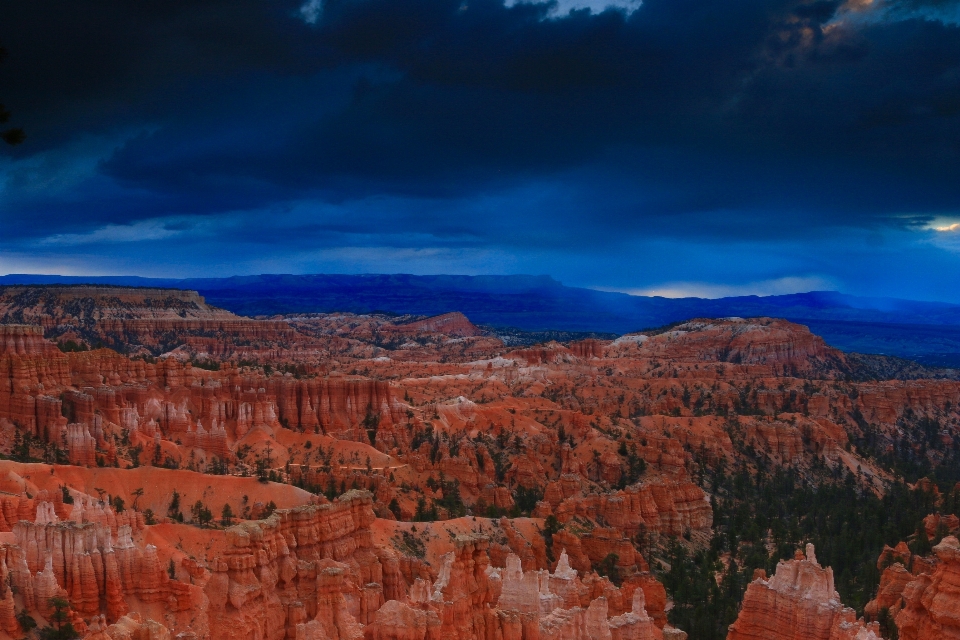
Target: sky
x,y
668,147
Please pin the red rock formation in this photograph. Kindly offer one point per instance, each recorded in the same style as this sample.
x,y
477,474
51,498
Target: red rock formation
x,y
104,394
665,507
538,604
25,340
932,601
81,446
935,521
450,324
28,366
336,405
462,593
317,561
133,627
798,603
93,562
899,567
470,601
607,430
778,345
87,561
550,353
8,611
122,317
893,581
899,554
587,349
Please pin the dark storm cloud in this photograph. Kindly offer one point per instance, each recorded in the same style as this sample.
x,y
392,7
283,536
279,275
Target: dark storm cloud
x,y
711,118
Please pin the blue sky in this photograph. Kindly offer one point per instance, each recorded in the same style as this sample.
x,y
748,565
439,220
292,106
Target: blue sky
x,y
678,147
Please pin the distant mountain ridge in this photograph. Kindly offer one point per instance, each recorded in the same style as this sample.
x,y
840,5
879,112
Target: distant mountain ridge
x,y
928,332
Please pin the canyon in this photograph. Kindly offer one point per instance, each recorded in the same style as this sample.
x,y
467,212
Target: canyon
x,y
171,469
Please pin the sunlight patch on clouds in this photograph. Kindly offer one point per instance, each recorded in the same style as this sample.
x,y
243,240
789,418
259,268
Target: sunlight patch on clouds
x,y
944,233
779,286
870,11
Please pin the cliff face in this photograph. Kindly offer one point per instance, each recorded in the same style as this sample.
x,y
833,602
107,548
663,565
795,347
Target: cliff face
x,y
452,324
893,581
307,570
82,400
782,347
671,508
29,366
899,567
666,391
798,603
328,575
173,411
931,602
25,341
135,320
156,321
338,405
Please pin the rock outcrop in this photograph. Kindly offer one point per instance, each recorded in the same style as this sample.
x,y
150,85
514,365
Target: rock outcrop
x,y
798,603
931,606
451,324
664,506
780,346
97,562
313,564
470,601
133,319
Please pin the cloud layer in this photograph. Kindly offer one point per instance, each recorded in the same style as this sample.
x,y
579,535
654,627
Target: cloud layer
x,y
629,145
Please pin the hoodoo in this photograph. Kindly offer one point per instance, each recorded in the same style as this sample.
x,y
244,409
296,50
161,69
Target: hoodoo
x,y
798,603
